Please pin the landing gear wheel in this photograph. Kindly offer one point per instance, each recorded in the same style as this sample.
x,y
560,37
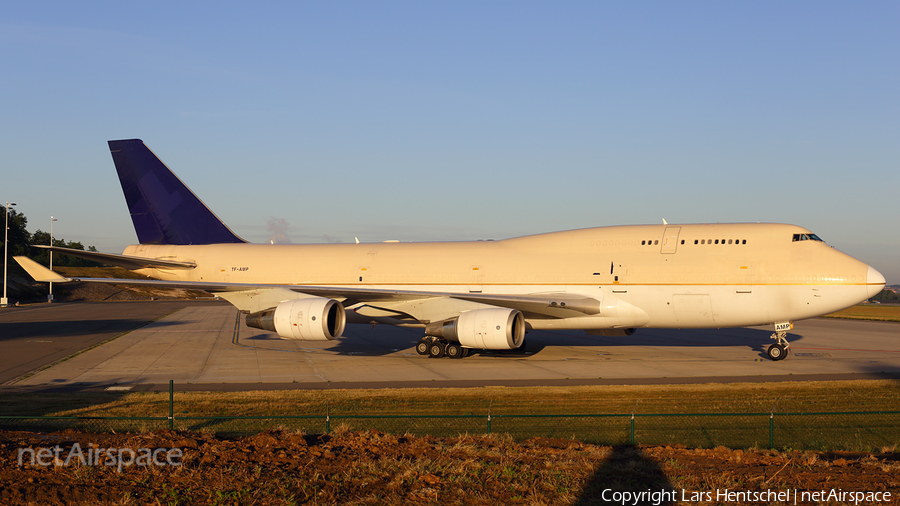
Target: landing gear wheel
x,y
454,350
422,346
436,349
777,352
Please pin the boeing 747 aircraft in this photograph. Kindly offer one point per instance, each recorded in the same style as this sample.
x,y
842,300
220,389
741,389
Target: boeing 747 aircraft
x,y
483,294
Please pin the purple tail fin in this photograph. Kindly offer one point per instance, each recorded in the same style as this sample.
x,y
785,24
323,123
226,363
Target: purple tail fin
x,y
163,209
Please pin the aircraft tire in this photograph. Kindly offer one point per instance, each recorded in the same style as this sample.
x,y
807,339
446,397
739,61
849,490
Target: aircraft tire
x,y
777,352
436,349
454,350
422,346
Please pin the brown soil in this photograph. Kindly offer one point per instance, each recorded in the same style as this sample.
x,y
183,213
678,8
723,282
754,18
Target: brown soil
x,y
274,468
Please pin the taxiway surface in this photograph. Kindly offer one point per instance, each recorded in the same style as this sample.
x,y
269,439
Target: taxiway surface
x,y
207,344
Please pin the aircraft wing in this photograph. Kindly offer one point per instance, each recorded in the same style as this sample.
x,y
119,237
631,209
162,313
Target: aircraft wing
x,y
558,305
125,261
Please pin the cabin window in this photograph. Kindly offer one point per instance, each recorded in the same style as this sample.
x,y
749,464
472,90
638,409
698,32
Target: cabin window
x,y
656,242
682,241
643,243
729,241
744,242
696,241
717,241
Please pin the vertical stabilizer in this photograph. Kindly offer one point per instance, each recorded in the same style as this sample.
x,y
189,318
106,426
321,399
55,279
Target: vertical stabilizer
x,y
163,209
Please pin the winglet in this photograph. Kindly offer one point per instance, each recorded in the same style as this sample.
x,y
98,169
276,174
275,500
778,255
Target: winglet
x,y
39,272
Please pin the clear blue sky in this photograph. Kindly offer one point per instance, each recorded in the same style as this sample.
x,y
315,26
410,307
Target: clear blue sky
x,y
461,120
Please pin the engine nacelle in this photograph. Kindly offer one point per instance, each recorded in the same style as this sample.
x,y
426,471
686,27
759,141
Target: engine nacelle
x,y
309,319
485,329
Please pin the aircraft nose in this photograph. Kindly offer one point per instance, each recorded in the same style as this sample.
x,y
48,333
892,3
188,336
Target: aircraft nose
x,y
874,282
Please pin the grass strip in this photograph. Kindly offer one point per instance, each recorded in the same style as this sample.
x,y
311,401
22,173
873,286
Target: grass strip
x,y
822,396
876,312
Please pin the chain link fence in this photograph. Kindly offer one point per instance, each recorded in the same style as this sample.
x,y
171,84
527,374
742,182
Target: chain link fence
x,y
826,431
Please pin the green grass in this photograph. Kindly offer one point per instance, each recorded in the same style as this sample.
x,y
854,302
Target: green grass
x,y
861,395
596,414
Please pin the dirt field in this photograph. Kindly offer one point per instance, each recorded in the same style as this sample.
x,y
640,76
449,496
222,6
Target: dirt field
x,y
277,468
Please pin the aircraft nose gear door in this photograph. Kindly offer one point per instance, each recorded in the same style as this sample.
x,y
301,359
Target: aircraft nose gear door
x,y
670,240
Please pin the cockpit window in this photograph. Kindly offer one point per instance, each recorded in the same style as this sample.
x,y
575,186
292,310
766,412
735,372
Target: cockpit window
x,y
807,237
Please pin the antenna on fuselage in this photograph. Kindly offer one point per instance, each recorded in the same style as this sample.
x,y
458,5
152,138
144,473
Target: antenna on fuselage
x,y
665,222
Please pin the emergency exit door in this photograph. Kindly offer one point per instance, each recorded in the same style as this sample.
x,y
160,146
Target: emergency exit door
x,y
670,240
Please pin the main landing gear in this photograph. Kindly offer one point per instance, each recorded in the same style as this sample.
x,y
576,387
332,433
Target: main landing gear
x,y
437,348
779,350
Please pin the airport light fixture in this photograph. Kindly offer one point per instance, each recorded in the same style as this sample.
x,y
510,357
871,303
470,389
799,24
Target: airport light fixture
x,y
50,296
4,301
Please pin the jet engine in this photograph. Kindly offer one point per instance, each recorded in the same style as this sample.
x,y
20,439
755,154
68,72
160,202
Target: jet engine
x,y
309,319
485,329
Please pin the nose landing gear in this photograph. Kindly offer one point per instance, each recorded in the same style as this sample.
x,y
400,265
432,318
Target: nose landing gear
x,y
779,350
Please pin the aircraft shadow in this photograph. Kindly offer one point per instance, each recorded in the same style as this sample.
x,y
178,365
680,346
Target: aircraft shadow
x,y
754,338
384,340
54,329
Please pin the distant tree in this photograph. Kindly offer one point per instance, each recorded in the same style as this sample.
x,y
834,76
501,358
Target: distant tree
x,y
886,296
19,238
41,255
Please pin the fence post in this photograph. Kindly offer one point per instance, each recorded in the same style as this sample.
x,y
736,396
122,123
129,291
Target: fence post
x,y
327,419
632,421
632,429
171,404
489,416
772,426
772,431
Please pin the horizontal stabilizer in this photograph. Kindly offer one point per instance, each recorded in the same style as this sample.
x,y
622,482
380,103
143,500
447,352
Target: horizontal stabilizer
x,y
39,272
124,261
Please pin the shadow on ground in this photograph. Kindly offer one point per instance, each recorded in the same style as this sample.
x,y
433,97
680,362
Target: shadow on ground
x,y
627,471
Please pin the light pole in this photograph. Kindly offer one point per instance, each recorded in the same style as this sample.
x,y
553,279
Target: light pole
x,y
4,301
52,219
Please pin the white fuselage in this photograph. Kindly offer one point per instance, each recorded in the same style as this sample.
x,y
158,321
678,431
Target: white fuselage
x,y
662,276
